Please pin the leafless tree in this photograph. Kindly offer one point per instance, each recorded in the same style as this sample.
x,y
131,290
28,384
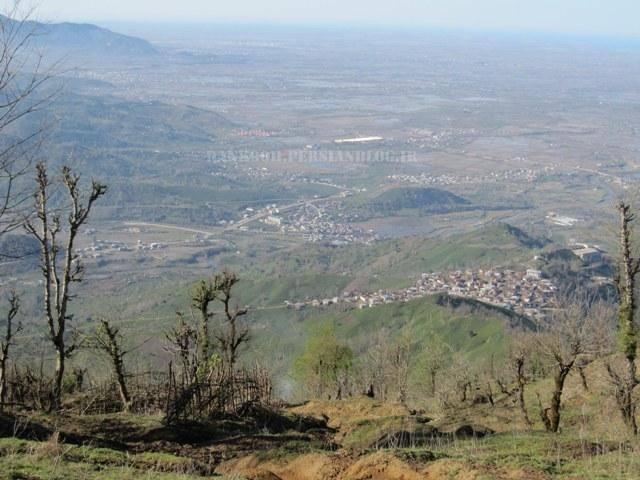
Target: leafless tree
x,y
436,357
204,294
23,79
625,382
573,332
181,340
108,340
385,364
456,382
232,334
60,264
462,376
10,331
400,360
24,90
374,371
520,351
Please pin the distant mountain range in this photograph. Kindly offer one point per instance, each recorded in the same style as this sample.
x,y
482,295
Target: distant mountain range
x,y
83,38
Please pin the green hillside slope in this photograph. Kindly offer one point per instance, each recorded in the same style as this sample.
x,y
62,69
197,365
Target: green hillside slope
x,y
431,199
474,331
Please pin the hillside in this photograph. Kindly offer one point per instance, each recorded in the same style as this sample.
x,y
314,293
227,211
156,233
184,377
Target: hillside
x,y
496,244
15,246
108,122
269,276
255,250
411,200
354,439
474,331
398,263
82,38
427,199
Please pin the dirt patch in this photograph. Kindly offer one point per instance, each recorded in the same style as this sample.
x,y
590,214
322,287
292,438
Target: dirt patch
x,y
380,466
41,429
447,469
526,474
341,413
260,474
249,467
450,470
313,466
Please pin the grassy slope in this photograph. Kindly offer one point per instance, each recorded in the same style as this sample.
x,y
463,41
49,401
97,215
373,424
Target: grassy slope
x,y
298,273
415,199
280,334
395,263
592,443
477,334
21,459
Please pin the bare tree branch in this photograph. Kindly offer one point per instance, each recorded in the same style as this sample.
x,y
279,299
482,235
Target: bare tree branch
x,y
59,273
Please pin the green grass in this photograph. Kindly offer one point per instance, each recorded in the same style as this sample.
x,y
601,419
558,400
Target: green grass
x,y
270,292
290,450
20,459
562,456
479,334
366,432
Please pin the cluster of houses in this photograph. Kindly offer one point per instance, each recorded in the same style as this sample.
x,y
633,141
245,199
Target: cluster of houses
x,y
100,248
524,292
320,222
520,174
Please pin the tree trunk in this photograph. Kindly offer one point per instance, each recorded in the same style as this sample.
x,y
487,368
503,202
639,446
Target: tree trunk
x,y
624,386
626,402
371,393
627,329
122,387
463,391
583,379
124,394
521,385
3,380
556,399
58,378
433,381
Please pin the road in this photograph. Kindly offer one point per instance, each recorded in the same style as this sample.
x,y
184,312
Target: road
x,y
244,221
282,209
172,227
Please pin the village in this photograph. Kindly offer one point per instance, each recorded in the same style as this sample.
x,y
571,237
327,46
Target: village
x,y
526,293
322,221
526,175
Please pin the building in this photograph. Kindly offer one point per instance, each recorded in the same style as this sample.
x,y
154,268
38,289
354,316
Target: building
x,y
534,274
271,220
588,255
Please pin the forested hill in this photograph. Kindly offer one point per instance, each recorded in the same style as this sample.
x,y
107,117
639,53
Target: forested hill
x,y
422,198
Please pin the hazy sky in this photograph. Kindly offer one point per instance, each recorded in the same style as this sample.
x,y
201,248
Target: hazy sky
x,y
605,17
